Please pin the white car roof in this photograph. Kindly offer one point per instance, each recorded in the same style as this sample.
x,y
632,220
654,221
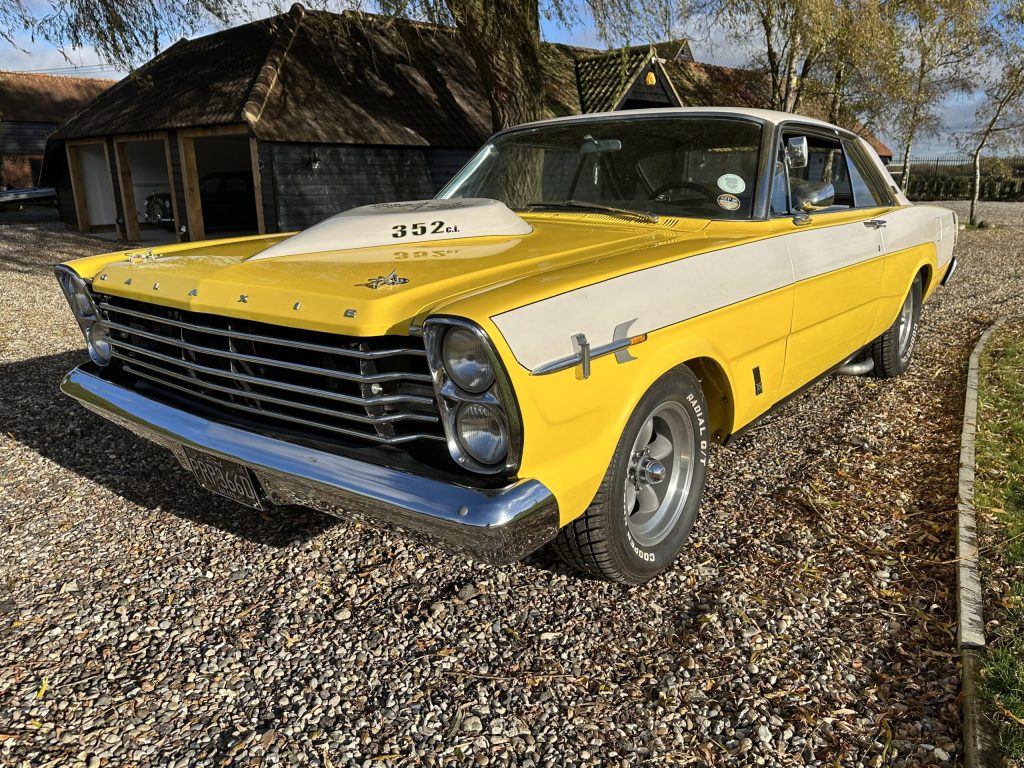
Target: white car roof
x,y
768,116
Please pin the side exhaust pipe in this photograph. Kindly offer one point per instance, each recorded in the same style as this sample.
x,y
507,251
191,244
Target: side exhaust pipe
x,y
859,368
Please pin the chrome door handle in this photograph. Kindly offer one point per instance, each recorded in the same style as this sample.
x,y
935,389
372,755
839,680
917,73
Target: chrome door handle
x,y
875,223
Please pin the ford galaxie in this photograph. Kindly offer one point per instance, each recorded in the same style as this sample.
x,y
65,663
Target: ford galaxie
x,y
543,353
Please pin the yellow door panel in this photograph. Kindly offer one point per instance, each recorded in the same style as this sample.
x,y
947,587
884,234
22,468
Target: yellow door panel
x,y
838,264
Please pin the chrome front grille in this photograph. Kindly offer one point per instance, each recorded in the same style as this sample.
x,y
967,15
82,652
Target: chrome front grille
x,y
376,389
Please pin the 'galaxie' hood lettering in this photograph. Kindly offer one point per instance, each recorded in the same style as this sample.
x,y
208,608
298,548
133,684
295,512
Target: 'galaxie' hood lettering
x,y
313,290
415,221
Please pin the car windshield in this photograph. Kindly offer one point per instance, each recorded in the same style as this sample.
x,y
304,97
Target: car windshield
x,y
693,166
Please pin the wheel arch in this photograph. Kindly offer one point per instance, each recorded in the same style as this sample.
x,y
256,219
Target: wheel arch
x,y
927,274
717,388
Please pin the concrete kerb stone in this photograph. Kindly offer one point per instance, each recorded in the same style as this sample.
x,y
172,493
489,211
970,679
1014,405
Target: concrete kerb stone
x,y
979,749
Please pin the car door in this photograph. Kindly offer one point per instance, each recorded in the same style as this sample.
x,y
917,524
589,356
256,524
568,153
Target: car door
x,y
838,260
909,233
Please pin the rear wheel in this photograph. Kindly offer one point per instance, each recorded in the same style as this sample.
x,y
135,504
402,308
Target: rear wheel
x,y
649,497
893,350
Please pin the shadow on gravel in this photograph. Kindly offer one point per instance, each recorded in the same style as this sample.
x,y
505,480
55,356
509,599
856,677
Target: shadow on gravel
x,y
35,413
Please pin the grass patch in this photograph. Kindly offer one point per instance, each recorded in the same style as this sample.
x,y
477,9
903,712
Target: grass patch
x,y
999,495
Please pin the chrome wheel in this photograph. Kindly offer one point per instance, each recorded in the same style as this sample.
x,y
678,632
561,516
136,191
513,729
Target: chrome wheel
x,y
660,474
906,324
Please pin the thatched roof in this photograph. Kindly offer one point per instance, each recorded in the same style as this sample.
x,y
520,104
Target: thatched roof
x,y
33,98
312,76
352,78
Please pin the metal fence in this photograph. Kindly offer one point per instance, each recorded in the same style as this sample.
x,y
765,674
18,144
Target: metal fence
x,y
951,178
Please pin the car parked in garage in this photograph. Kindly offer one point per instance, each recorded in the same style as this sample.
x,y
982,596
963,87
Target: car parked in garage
x,y
545,352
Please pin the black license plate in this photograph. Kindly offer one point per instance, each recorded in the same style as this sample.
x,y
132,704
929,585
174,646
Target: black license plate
x,y
224,477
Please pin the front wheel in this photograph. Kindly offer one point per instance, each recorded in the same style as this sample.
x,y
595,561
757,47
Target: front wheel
x,y
647,502
893,350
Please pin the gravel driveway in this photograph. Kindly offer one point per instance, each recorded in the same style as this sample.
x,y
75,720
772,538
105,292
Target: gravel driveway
x,y
146,622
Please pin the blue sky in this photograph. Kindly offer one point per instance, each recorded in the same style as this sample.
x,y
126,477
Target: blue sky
x,y
958,112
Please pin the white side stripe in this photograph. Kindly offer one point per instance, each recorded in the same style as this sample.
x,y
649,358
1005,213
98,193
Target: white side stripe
x,y
658,296
670,293
818,251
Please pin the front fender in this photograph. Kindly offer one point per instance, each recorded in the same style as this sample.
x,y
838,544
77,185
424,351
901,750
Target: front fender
x,y
572,425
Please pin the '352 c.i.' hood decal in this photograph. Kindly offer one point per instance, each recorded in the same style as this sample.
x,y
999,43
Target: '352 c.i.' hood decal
x,y
397,223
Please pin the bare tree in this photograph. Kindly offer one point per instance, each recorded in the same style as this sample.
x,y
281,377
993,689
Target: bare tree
x,y
791,40
124,32
939,41
502,36
1000,117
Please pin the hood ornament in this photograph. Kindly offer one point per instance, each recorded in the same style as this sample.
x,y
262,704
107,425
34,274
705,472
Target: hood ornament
x,y
381,281
138,258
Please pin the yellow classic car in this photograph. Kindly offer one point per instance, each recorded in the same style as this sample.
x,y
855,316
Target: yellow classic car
x,y
543,353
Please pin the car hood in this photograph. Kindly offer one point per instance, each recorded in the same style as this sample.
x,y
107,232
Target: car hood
x,y
348,290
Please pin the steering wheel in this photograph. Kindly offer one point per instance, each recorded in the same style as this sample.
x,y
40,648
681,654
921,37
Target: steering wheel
x,y
707,192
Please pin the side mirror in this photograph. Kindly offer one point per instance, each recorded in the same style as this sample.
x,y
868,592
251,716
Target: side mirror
x,y
797,153
813,196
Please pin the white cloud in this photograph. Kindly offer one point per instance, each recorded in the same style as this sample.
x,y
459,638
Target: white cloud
x,y
29,55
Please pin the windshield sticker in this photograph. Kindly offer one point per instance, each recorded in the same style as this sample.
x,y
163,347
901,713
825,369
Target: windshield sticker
x,y
730,182
728,202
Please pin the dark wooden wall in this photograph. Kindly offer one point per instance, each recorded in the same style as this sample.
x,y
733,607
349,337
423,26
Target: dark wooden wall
x,y
296,196
57,175
18,138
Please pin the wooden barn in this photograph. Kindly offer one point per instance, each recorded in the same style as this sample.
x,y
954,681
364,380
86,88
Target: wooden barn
x,y
280,123
31,107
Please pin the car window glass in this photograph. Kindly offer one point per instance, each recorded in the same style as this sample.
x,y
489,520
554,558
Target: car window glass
x,y
681,166
826,162
780,188
234,185
863,195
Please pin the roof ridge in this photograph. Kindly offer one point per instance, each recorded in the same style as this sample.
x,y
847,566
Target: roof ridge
x,y
33,75
266,78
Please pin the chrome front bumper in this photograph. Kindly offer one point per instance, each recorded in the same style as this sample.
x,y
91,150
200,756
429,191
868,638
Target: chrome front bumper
x,y
496,526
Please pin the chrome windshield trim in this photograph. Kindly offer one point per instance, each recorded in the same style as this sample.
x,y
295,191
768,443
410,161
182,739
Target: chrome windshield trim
x,y
497,526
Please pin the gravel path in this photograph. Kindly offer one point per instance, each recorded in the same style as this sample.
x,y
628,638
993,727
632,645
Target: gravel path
x,y
145,622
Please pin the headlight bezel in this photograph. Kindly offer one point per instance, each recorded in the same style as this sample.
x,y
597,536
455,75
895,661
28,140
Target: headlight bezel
x,y
499,396
79,298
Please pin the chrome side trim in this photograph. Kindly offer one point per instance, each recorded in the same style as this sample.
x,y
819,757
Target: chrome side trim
x,y
582,357
496,526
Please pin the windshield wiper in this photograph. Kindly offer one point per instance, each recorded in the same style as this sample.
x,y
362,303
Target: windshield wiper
x,y
644,216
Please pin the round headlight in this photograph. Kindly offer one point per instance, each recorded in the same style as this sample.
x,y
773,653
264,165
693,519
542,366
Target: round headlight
x,y
481,431
77,294
466,361
98,340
